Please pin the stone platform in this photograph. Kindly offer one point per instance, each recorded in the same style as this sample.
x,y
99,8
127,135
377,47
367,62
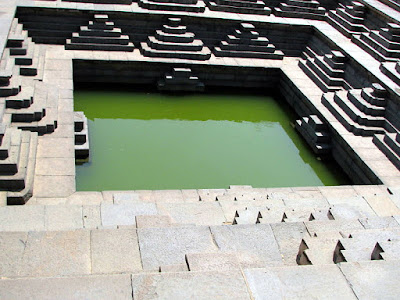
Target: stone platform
x,y
238,242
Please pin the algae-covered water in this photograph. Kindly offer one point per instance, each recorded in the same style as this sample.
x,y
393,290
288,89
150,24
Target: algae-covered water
x,y
154,141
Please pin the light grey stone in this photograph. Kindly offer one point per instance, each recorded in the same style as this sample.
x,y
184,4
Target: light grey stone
x,y
124,214
85,198
13,247
91,216
382,205
190,285
299,282
121,198
22,218
63,217
212,261
153,221
168,246
376,222
288,237
373,280
53,186
90,287
115,251
59,253
344,226
201,213
254,245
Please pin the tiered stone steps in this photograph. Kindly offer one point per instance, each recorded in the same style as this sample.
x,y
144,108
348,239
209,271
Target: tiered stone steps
x,y
359,111
348,19
315,133
100,34
246,42
25,53
174,5
17,164
180,80
308,9
389,144
383,45
173,41
392,70
326,71
34,110
81,136
240,6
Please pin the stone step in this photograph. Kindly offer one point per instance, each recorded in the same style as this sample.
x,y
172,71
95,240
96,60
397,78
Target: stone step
x,y
22,181
316,78
346,121
99,47
237,3
383,41
85,31
187,37
229,46
391,70
350,18
318,141
302,3
355,96
212,5
9,163
277,54
195,45
81,136
345,27
170,6
204,54
388,144
378,51
77,38
356,114
22,100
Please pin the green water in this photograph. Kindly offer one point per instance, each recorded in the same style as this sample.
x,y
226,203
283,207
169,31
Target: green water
x,y
153,141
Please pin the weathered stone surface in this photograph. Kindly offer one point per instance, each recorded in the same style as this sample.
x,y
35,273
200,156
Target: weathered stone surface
x,y
13,247
63,217
305,282
115,251
168,246
201,213
22,218
212,262
190,285
289,236
254,245
59,253
124,214
373,280
91,216
153,221
91,287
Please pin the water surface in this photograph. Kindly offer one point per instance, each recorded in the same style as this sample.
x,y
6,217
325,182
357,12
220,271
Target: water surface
x,y
154,141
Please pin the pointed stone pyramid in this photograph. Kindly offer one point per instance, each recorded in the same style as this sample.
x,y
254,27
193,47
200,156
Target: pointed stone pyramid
x,y
246,42
100,34
174,41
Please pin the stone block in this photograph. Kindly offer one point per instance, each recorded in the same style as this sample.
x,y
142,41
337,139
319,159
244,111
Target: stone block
x,y
91,216
153,221
168,246
63,217
373,280
115,251
190,285
98,287
13,245
212,262
22,218
254,245
125,214
305,282
201,213
61,253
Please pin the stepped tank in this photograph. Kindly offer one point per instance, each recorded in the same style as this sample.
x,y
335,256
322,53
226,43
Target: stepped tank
x,y
148,140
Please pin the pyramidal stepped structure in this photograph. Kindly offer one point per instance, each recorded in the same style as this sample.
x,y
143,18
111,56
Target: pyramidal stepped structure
x,y
246,42
174,41
180,79
240,6
309,9
100,34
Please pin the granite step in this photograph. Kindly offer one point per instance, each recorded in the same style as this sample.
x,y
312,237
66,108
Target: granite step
x,y
390,146
215,6
172,6
345,120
